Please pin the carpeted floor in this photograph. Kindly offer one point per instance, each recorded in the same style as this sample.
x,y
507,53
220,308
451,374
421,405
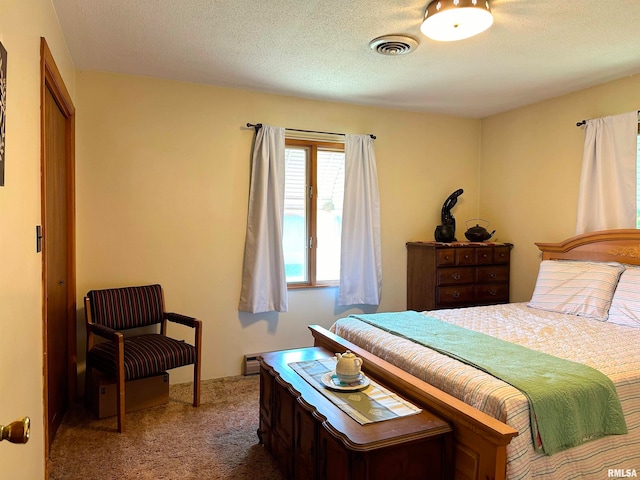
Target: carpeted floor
x,y
175,441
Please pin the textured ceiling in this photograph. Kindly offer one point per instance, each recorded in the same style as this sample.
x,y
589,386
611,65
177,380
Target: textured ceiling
x,y
536,49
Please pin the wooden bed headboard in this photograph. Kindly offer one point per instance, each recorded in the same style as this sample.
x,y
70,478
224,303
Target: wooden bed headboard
x,y
621,246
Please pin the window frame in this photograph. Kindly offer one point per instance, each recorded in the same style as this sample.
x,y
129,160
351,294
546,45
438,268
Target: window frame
x,y
312,147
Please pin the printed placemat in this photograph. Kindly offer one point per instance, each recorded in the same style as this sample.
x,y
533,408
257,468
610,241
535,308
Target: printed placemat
x,y
372,404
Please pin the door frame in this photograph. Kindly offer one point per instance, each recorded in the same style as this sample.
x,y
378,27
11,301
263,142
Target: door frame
x,y
50,78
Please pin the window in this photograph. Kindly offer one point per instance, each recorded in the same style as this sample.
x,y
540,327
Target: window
x,y
314,191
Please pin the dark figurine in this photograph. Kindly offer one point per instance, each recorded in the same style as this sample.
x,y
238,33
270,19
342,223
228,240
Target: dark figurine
x,y
446,232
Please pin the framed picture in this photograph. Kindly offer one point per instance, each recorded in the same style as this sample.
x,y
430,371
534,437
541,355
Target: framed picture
x,y
3,107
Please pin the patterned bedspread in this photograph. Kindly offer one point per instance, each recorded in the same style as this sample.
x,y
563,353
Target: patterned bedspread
x,y
611,349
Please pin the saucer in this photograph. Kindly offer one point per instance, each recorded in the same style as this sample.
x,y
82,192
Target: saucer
x,y
330,380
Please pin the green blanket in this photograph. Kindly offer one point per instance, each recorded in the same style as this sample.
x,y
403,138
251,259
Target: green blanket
x,y
570,403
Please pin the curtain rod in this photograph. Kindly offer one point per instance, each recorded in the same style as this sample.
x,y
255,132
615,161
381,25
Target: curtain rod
x,y
258,126
583,122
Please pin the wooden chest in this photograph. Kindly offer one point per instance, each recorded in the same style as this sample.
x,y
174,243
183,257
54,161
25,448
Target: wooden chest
x,y
312,439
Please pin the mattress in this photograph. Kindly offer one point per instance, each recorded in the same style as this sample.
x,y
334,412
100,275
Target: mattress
x,y
611,349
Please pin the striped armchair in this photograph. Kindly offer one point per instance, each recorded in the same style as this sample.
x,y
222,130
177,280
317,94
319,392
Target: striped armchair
x,y
123,358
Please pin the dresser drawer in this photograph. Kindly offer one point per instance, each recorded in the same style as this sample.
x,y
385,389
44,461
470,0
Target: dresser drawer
x,y
493,274
445,257
497,293
501,254
484,256
465,256
455,276
454,295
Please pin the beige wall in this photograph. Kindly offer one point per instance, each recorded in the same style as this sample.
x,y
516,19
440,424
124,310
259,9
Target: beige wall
x,y
530,170
162,187
22,23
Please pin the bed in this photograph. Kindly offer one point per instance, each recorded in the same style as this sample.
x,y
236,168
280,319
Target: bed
x,y
490,418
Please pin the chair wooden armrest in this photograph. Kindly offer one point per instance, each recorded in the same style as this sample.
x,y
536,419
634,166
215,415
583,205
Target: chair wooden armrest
x,y
183,319
104,332
197,343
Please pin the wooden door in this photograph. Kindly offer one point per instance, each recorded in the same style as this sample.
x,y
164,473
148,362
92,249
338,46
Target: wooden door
x,y
56,257
58,221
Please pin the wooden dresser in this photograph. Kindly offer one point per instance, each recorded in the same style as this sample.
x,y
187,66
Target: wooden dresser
x,y
449,275
311,438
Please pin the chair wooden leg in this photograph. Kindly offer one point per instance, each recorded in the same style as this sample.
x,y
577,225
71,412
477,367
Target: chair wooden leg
x,y
120,386
196,384
196,365
121,407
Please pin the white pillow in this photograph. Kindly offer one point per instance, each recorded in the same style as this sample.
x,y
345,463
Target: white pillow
x,y
625,306
575,287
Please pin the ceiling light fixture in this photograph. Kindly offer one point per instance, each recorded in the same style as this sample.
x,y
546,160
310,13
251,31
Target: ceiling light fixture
x,y
450,20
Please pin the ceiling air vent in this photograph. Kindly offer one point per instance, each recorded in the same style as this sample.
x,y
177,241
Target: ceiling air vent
x,y
393,45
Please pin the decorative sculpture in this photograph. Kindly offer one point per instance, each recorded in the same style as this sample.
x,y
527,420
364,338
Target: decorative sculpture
x,y
446,232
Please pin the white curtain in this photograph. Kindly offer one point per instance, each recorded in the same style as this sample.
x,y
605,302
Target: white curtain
x,y
360,258
264,283
607,198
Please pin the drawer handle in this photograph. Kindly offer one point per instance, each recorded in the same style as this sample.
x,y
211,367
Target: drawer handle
x,y
455,276
493,293
466,256
484,255
456,295
446,257
492,275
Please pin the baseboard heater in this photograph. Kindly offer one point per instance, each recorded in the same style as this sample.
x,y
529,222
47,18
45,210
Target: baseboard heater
x,y
251,364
